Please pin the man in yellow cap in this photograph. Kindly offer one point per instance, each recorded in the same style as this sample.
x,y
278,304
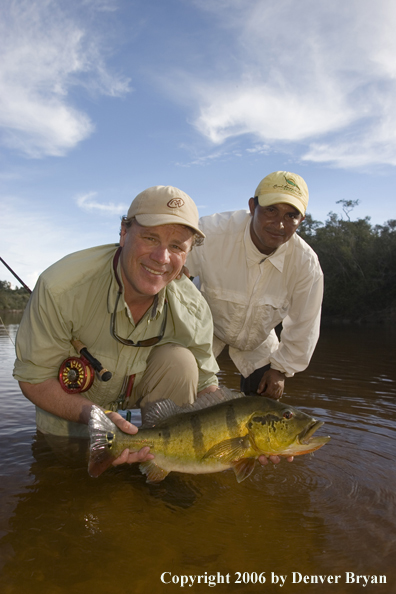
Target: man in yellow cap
x,y
256,272
135,312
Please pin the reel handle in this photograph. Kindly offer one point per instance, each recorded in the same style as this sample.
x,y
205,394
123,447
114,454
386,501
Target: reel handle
x,y
104,374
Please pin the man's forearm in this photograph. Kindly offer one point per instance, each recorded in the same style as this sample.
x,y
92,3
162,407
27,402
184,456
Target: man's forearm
x,y
50,397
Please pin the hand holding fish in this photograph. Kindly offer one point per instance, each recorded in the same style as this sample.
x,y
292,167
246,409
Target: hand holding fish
x,y
128,456
272,384
207,390
274,459
220,430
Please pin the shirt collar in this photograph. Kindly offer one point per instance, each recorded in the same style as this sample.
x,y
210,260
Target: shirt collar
x,y
159,299
254,256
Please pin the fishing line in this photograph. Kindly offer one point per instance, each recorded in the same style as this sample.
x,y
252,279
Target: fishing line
x,y
8,334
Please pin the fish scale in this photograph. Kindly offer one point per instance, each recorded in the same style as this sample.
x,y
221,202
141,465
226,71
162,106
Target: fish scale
x,y
224,430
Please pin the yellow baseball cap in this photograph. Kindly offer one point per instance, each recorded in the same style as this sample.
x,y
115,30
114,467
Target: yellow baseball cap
x,y
165,205
283,186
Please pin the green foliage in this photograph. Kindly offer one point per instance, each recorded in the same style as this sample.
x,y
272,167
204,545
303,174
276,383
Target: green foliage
x,y
12,298
358,261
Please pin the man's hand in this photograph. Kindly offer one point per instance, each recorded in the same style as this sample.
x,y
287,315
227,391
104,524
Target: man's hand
x,y
207,390
274,459
272,384
128,457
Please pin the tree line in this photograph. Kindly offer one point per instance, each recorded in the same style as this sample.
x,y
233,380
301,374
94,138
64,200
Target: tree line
x,y
359,264
357,258
12,298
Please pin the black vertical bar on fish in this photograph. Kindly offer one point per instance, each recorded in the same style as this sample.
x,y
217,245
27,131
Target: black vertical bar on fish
x,y
232,422
198,438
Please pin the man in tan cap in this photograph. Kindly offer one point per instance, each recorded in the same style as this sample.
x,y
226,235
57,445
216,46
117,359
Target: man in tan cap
x,y
136,313
256,272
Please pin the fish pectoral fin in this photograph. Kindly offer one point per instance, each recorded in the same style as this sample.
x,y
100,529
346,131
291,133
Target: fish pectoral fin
x,y
153,472
229,450
243,468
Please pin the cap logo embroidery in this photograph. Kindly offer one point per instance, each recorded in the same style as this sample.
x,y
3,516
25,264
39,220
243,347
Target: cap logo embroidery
x,y
175,203
291,187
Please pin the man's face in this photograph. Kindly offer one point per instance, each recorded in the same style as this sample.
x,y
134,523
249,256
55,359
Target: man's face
x,y
272,226
152,257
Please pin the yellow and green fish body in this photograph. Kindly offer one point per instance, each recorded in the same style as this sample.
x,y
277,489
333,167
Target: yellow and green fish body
x,y
232,432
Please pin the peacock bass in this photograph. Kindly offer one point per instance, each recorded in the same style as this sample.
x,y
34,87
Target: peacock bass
x,y
220,430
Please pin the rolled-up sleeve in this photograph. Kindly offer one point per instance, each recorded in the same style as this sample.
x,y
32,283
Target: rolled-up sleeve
x,y
43,339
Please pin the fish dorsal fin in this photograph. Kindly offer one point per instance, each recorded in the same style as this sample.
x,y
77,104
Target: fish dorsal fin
x,y
220,395
162,410
229,450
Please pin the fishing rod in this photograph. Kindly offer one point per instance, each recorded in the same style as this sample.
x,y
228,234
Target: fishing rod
x,y
76,374
16,276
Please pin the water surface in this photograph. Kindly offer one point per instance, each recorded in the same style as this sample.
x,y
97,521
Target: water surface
x,y
327,514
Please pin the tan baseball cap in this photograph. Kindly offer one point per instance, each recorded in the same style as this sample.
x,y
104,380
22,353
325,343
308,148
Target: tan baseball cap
x,y
165,205
283,186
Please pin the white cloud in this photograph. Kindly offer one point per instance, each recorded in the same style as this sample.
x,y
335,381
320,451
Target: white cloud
x,y
44,54
35,239
322,75
207,158
87,202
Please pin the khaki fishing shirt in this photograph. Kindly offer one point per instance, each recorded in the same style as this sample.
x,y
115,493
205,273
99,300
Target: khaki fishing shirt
x,y
249,294
75,298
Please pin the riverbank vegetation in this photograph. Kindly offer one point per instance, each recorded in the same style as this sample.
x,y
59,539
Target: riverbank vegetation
x,y
358,260
12,299
359,265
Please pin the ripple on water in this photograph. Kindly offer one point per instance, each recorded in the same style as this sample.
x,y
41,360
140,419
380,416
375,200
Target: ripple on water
x,y
329,512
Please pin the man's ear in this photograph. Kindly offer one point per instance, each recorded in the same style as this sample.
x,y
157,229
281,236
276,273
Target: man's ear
x,y
123,232
252,205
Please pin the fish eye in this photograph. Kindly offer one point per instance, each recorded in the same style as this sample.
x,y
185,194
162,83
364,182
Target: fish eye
x,y
288,414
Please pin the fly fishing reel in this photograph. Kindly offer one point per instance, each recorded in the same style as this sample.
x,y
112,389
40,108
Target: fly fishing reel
x,y
76,374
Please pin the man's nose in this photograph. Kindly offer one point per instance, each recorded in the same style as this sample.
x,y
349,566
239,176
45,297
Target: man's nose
x,y
160,254
279,222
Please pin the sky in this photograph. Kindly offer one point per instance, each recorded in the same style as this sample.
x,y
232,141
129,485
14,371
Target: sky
x,y
101,99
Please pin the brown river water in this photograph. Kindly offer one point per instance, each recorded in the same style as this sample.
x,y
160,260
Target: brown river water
x,y
317,525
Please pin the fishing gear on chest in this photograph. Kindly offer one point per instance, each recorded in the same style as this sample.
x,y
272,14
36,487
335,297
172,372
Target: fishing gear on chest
x,y
76,374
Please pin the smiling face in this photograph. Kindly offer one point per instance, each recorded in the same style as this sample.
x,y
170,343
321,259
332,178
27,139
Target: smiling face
x,y
272,226
151,258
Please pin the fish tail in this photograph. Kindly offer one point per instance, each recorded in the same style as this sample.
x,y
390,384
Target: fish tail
x,y
102,433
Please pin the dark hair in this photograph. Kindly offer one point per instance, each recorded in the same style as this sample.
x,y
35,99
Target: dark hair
x,y
197,239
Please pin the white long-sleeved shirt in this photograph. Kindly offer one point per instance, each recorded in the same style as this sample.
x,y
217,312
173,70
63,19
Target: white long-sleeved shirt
x,y
249,294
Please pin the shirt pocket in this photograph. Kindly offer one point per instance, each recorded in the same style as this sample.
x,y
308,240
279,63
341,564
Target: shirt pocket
x,y
268,312
228,310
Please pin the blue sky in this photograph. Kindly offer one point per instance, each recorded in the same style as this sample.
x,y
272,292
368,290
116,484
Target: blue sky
x,y
100,99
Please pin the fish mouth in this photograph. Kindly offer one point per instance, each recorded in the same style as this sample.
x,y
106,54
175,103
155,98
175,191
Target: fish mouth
x,y
305,437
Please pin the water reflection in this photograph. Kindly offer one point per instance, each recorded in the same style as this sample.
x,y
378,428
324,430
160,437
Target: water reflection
x,y
327,513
